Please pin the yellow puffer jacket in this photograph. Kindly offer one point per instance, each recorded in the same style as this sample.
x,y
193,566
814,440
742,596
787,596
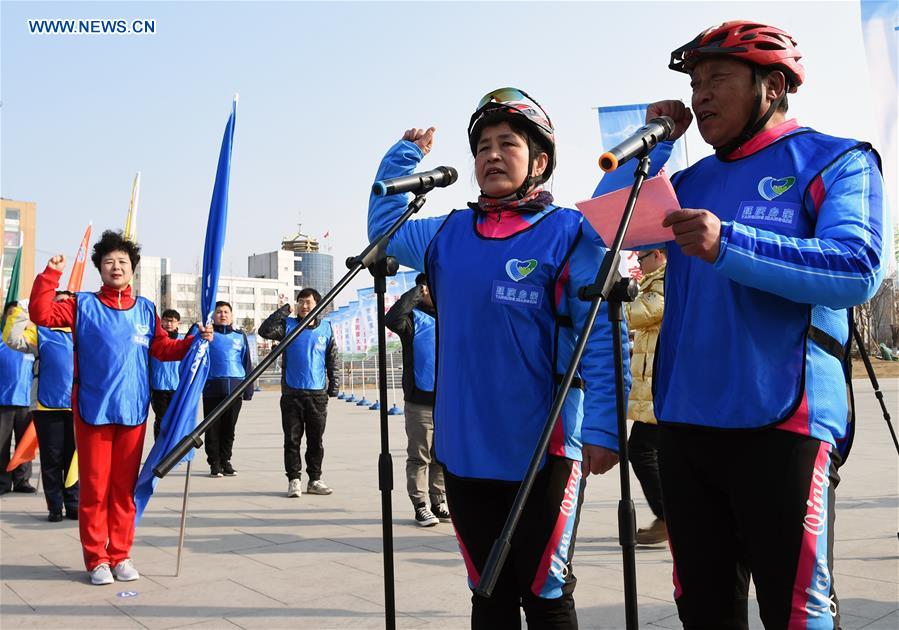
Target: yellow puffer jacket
x,y
644,316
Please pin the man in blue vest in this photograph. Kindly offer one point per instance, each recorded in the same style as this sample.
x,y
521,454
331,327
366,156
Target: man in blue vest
x,y
308,377
164,374
229,363
15,398
412,318
53,350
780,234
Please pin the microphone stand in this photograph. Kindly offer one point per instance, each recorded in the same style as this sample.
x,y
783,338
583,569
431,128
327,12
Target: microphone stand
x,y
874,384
380,265
614,290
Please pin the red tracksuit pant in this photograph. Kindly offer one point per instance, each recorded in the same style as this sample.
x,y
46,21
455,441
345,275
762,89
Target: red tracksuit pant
x,y
108,463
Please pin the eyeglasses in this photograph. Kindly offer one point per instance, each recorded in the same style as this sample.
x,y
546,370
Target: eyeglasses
x,y
640,258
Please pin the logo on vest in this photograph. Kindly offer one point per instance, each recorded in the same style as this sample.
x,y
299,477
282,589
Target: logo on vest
x,y
140,338
520,269
321,341
770,188
508,293
237,344
784,213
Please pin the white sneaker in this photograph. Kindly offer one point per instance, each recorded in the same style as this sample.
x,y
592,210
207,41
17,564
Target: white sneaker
x,y
101,575
124,571
293,488
318,487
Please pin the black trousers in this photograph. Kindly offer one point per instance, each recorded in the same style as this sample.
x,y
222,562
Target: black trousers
x,y
538,574
304,412
56,436
160,400
220,436
643,454
750,503
13,421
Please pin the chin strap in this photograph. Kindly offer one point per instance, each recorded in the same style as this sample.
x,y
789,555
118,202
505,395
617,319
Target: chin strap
x,y
751,128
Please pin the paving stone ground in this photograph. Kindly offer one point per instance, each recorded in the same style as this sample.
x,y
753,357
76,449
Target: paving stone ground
x,y
256,559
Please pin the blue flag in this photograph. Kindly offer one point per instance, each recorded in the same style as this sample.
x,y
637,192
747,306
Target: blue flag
x,y
180,417
618,122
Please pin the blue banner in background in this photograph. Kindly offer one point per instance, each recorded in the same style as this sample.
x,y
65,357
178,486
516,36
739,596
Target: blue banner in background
x,y
620,121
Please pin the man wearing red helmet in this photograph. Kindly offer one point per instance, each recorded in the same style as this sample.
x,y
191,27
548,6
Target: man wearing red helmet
x,y
779,236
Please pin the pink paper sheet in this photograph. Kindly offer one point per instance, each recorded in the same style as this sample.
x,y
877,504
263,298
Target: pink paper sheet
x,y
656,200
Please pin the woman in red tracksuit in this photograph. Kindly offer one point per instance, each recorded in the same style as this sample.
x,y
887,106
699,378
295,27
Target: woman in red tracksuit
x,y
115,333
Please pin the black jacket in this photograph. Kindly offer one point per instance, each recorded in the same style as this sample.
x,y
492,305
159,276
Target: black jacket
x,y
275,328
399,319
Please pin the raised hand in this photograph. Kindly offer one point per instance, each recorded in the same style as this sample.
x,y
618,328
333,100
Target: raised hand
x,y
424,138
57,263
676,111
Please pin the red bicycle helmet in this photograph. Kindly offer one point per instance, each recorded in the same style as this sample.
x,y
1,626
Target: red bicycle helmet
x,y
755,43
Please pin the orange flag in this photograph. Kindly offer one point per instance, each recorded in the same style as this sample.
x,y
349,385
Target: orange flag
x,y
77,275
25,448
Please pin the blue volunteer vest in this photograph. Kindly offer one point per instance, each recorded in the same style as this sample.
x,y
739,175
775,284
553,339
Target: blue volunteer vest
x,y
226,355
423,348
164,374
113,350
304,359
57,368
15,377
497,340
729,355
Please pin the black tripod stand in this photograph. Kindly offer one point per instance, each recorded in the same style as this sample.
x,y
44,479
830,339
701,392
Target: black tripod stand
x,y
375,260
873,377
608,287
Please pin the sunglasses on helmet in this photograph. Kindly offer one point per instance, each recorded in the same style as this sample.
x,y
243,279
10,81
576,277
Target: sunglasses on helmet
x,y
505,95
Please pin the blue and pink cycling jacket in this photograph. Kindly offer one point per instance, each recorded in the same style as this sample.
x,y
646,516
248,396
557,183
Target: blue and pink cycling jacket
x,y
505,289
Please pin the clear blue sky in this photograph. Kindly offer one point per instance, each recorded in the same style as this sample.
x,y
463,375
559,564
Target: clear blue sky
x,y
325,88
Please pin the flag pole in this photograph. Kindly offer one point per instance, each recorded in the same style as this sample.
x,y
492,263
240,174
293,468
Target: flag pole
x,y
183,518
183,525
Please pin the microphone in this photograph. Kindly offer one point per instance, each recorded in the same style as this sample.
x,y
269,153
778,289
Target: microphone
x,y
642,140
417,183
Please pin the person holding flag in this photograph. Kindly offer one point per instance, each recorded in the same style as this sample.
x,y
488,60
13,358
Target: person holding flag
x,y
54,361
115,333
780,234
503,275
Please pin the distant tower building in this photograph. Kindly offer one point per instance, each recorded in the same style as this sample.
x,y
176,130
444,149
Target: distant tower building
x,y
299,262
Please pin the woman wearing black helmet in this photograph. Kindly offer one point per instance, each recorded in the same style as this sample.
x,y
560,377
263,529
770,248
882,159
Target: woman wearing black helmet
x,y
504,274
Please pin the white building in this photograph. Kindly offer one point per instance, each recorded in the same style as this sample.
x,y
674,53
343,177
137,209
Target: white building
x,y
252,299
148,278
